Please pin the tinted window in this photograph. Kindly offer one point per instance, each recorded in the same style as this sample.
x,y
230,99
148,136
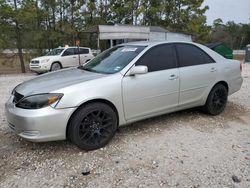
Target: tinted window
x,y
81,51
158,58
69,51
191,55
84,51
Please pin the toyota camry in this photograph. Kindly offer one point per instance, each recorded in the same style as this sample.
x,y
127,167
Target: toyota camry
x,y
123,84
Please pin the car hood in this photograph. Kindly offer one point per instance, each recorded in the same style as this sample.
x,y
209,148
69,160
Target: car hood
x,y
56,80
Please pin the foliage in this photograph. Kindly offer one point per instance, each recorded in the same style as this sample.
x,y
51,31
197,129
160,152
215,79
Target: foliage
x,y
235,36
46,24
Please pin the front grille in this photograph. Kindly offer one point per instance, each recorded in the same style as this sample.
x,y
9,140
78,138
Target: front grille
x,y
34,62
17,97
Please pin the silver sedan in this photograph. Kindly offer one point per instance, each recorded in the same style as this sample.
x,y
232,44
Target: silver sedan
x,y
124,84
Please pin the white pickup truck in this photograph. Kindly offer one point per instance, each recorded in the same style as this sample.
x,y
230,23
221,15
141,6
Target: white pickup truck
x,y
59,58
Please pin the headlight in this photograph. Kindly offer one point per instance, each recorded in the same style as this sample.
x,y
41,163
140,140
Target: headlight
x,y
40,101
45,61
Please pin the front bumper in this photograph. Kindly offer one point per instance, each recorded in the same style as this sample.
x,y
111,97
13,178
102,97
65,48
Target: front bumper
x,y
39,67
40,125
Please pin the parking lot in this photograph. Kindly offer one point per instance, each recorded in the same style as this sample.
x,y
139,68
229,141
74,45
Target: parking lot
x,y
182,149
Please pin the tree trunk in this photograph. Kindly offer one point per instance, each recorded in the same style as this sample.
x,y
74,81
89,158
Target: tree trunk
x,y
19,41
72,21
136,12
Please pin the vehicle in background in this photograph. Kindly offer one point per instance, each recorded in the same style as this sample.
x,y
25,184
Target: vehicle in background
x,y
59,58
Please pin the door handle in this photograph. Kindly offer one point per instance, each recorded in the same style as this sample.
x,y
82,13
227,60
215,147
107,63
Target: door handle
x,y
173,77
74,56
213,69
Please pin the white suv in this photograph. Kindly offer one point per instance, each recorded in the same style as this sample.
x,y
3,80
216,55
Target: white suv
x,y
61,58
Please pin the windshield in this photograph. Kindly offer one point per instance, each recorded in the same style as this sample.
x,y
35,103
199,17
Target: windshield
x,y
113,60
56,51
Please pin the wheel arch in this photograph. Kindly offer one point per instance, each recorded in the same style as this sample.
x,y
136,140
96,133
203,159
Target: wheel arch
x,y
56,62
207,108
104,101
224,83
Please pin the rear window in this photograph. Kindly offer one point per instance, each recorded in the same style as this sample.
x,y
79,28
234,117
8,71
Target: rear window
x,y
190,55
84,51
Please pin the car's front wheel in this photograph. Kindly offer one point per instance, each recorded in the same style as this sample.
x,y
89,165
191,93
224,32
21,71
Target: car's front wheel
x,y
217,100
92,126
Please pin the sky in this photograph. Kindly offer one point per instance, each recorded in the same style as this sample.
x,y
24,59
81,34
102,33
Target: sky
x,y
228,10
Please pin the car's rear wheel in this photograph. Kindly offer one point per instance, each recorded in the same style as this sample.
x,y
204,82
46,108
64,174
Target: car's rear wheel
x,y
92,126
217,100
55,66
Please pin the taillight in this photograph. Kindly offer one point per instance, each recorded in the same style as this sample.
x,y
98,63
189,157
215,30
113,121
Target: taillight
x,y
241,67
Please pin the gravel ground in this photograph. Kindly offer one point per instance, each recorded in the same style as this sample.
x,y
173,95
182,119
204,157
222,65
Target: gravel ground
x,y
183,149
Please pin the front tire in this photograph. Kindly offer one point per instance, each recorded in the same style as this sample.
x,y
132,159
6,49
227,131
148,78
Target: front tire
x,y
92,126
217,100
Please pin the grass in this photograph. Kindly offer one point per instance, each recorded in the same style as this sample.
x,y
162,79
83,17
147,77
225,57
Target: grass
x,y
10,63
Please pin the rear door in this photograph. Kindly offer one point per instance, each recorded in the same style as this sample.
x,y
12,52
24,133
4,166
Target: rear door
x,y
197,73
156,91
85,54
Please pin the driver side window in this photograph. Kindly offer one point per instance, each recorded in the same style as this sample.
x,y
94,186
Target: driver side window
x,y
69,51
161,57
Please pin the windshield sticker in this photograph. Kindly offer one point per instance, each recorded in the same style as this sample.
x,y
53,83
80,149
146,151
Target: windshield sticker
x,y
129,49
117,68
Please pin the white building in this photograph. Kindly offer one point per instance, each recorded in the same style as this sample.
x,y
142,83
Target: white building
x,y
117,34
159,34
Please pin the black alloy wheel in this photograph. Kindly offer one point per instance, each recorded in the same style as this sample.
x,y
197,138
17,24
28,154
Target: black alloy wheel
x,y
217,100
93,126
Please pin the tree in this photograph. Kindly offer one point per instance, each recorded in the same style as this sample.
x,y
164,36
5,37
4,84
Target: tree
x,y
187,16
10,18
152,12
235,36
46,24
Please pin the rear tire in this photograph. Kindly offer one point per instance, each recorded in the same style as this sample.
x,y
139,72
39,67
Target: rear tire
x,y
217,100
55,67
92,126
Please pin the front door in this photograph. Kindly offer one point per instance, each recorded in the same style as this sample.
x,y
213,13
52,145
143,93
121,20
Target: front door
x,y
69,58
156,91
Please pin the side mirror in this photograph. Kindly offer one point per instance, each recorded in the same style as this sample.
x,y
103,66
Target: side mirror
x,y
140,69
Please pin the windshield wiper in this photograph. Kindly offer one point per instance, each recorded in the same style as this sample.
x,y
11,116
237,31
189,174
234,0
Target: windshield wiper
x,y
87,69
92,70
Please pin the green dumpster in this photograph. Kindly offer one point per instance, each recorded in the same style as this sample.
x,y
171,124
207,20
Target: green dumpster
x,y
221,49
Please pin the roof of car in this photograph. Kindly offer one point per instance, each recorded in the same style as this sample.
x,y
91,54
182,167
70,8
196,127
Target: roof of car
x,y
149,43
64,47
213,45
